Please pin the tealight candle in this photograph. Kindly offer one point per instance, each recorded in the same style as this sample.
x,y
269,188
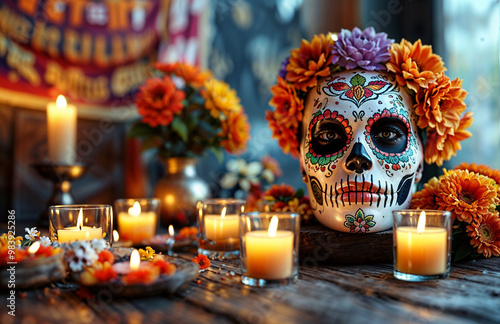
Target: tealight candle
x,y
218,223
421,245
269,249
78,232
137,218
69,223
61,131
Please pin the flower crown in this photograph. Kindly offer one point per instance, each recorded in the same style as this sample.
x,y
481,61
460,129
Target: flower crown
x,y
438,101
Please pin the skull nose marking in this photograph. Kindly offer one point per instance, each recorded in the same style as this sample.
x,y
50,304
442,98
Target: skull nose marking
x,y
358,160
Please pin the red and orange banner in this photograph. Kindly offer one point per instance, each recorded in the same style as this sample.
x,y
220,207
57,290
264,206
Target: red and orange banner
x,y
94,52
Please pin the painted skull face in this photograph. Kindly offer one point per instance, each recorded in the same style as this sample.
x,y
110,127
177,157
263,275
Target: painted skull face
x,y
360,150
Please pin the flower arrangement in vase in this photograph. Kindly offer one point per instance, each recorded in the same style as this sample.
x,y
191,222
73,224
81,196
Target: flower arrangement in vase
x,y
186,112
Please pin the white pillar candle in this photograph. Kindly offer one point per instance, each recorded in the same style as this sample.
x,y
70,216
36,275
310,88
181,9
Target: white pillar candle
x,y
61,131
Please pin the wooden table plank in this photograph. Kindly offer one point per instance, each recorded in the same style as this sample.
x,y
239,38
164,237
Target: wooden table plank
x,y
323,294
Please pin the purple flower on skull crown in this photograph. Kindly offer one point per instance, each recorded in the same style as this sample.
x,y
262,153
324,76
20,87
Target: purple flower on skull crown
x,y
283,71
364,49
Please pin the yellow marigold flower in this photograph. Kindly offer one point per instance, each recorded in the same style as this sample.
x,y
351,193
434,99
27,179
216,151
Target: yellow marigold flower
x,y
147,254
220,98
190,73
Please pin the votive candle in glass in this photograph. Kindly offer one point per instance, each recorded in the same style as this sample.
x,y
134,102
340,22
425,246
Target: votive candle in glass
x,y
218,225
422,244
68,223
137,219
269,248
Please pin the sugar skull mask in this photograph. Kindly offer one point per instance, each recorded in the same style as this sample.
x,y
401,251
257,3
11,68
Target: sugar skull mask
x,y
359,150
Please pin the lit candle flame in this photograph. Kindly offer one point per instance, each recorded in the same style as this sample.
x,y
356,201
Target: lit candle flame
x,y
135,210
171,230
421,223
116,236
61,102
34,247
223,213
135,260
273,226
79,221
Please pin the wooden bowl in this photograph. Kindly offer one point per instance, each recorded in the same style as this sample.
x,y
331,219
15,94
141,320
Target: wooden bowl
x,y
165,284
35,272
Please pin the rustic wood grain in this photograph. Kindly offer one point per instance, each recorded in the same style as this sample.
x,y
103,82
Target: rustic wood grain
x,y
321,245
323,294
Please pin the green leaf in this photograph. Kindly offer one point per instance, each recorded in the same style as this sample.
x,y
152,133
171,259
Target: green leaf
x,y
350,219
141,130
180,128
357,80
299,193
369,218
463,251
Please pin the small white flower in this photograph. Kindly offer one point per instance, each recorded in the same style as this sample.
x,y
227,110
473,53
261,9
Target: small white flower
x,y
45,241
80,254
98,245
268,175
229,180
31,233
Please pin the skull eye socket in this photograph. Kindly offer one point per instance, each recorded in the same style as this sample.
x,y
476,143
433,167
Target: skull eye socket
x,y
390,135
328,136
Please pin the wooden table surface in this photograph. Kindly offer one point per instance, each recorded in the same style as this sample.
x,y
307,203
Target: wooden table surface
x,y
323,294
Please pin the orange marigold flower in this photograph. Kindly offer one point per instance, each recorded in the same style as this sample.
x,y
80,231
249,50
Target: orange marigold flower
x,y
426,198
310,61
481,169
441,148
220,98
286,136
415,65
235,131
187,232
440,105
163,265
202,260
279,192
466,194
106,256
485,235
158,100
288,105
145,274
190,73
105,273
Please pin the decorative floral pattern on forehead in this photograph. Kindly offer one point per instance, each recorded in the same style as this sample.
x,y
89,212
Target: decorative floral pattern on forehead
x,y
438,101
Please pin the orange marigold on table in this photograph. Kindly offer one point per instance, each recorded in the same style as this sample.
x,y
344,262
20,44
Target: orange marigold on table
x,y
485,235
471,193
202,260
144,275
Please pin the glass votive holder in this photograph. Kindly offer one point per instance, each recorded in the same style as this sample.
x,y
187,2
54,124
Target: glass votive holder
x,y
422,244
137,219
218,227
68,223
269,248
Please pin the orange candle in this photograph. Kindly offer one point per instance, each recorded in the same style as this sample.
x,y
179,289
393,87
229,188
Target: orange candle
x,y
421,250
269,254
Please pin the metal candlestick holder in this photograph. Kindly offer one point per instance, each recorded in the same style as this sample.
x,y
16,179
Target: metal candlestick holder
x,y
61,176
